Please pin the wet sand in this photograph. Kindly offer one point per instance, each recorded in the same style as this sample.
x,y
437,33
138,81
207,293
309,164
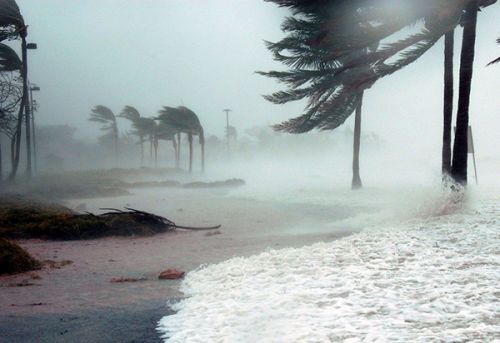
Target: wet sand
x,y
79,303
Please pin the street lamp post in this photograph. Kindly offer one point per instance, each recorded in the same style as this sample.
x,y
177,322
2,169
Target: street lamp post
x,y
25,48
33,88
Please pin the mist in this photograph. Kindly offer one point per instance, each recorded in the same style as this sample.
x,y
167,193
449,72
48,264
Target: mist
x,y
220,225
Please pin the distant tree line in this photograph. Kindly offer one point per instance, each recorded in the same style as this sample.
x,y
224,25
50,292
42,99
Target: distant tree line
x,y
170,123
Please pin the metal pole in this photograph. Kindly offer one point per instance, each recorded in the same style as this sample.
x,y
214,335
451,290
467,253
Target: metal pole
x,y
26,108
33,131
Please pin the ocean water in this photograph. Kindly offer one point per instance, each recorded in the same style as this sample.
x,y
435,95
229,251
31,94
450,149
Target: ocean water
x,y
425,266
423,269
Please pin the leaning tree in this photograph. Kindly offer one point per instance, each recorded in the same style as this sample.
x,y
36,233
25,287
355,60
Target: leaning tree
x,y
329,52
132,114
103,115
182,120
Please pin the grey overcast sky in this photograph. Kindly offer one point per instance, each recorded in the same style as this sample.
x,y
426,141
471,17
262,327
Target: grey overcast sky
x,y
203,54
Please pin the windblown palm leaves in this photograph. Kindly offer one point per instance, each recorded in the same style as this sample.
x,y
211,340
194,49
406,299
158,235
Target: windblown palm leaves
x,y
497,59
103,115
337,49
11,20
182,120
9,60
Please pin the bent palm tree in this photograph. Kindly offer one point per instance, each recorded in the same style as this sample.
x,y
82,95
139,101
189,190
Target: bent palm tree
x,y
102,114
132,114
166,133
183,120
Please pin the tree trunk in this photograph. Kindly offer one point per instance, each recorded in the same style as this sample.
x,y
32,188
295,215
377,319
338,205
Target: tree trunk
x,y
190,139
1,166
356,179
115,129
460,151
202,143
447,103
156,152
174,144
150,150
142,150
17,140
178,150
12,150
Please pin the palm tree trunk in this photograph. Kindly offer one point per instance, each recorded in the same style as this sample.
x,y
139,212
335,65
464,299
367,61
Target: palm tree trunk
x,y
150,150
202,143
190,139
447,103
460,151
178,150
142,150
1,166
115,129
174,144
12,150
156,151
356,179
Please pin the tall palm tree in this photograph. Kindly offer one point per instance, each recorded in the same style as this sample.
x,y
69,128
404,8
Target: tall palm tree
x,y
182,120
324,44
166,133
460,146
102,114
132,114
447,103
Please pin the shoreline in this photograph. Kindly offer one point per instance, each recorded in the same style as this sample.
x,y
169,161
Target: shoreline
x,y
79,297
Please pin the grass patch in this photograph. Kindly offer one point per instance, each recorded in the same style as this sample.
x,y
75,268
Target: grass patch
x,y
29,219
14,259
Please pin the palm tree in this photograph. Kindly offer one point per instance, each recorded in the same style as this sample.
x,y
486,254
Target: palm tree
x,y
460,147
132,114
166,133
102,114
183,120
328,66
447,104
12,26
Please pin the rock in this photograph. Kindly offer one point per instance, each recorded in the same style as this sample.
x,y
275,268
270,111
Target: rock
x,y
170,274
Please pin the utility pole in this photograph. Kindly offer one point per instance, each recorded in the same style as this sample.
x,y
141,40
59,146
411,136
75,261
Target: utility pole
x,y
227,110
33,88
25,48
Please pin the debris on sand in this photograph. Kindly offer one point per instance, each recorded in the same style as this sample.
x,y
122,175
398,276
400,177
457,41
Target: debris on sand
x,y
171,274
14,259
35,220
56,264
127,279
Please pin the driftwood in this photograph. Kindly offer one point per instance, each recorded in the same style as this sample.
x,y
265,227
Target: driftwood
x,y
151,218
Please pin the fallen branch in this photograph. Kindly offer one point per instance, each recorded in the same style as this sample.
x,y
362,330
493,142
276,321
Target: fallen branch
x,y
146,216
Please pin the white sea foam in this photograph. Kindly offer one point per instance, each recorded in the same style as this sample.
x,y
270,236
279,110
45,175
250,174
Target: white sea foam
x,y
426,280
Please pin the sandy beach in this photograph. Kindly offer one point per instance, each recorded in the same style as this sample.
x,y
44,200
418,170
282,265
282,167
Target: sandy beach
x,y
78,303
